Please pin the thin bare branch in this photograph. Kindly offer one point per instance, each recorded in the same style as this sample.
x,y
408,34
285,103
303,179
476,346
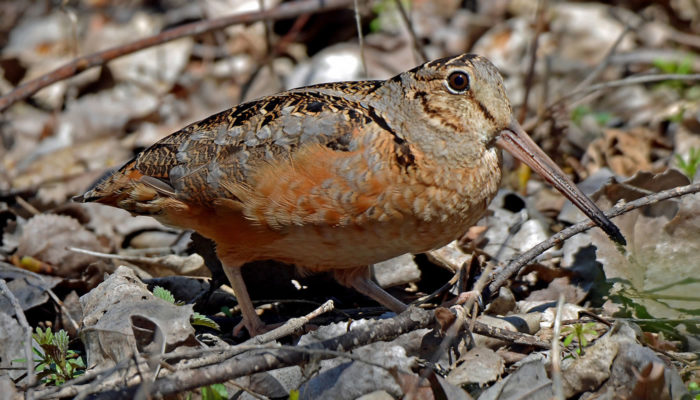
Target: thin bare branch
x,y
409,25
605,62
360,38
291,326
389,329
530,76
632,80
80,64
518,263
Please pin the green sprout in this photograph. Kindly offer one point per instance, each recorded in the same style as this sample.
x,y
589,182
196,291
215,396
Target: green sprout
x,y
689,167
56,363
197,318
683,67
601,117
216,391
694,389
578,332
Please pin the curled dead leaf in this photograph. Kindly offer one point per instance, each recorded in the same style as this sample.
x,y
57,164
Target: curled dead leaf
x,y
625,152
45,238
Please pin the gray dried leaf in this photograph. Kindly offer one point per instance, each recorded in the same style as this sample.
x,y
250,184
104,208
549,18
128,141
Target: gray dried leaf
x,y
12,338
529,382
479,365
28,288
46,237
660,264
108,332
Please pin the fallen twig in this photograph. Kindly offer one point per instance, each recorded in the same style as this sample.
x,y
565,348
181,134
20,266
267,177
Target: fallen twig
x,y
291,326
219,368
409,25
516,264
530,75
509,336
80,64
389,329
173,262
631,80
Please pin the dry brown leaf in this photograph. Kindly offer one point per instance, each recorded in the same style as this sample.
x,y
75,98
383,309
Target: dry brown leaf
x,y
625,152
46,237
479,365
651,384
108,332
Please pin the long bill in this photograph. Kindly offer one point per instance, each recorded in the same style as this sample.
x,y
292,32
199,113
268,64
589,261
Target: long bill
x,y
514,140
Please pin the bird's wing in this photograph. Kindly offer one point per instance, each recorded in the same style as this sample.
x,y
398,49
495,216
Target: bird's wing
x,y
276,149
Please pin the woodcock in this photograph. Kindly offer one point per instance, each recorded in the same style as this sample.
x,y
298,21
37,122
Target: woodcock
x,y
338,176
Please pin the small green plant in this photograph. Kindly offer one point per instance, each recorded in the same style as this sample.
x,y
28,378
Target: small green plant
x,y
601,117
226,311
578,332
197,318
56,363
164,294
381,9
694,389
216,391
683,67
689,167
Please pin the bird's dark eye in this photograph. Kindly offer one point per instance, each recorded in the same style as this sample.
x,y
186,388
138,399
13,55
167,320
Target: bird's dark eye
x,y
458,82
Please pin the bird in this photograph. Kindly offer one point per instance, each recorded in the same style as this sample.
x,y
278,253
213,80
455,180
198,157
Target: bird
x,y
339,176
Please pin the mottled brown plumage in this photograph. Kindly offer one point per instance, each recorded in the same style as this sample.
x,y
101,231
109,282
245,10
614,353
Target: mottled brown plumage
x,y
338,176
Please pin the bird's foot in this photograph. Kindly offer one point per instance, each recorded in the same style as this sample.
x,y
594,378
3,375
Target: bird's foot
x,y
465,298
256,329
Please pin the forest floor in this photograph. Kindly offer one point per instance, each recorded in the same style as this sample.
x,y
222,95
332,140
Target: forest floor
x,y
113,305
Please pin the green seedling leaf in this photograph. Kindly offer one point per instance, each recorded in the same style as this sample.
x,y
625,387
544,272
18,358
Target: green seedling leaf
x,y
203,320
689,165
164,294
216,391
197,318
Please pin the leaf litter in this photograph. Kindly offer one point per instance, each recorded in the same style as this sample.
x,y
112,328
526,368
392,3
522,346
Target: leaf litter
x,y
620,144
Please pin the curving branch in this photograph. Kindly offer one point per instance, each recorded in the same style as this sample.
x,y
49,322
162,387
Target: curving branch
x,y
521,261
80,64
